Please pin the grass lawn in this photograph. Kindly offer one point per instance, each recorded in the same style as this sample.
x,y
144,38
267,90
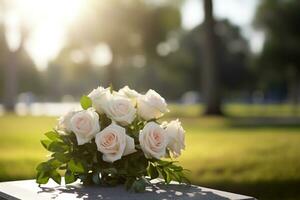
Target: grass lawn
x,y
261,161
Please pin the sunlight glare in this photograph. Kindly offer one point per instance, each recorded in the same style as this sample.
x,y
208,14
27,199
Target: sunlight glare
x,y
12,31
101,55
47,22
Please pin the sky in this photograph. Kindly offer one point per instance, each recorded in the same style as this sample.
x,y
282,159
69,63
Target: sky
x,y
48,30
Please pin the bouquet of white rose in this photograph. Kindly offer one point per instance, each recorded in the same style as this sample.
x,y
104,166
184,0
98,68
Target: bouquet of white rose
x,y
115,139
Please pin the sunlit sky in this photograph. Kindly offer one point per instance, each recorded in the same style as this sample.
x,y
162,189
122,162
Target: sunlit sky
x,y
48,21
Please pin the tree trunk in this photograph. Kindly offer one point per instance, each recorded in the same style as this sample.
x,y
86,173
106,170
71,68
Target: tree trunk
x,y
11,82
111,69
293,88
210,72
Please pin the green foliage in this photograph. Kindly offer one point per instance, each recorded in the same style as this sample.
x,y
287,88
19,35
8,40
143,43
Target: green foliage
x,y
279,62
139,185
59,158
75,166
168,170
152,171
84,162
48,170
85,102
52,135
104,121
46,143
69,177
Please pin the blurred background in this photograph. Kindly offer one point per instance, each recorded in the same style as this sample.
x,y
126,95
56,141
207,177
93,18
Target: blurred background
x,y
229,69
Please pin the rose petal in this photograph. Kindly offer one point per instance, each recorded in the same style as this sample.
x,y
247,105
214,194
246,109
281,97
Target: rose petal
x,y
130,148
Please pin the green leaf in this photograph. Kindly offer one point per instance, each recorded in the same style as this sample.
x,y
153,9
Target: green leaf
x,y
58,147
176,168
69,177
139,185
152,171
96,178
54,163
128,183
42,178
44,166
85,102
54,146
176,176
64,167
86,179
104,120
164,163
111,88
48,166
56,176
75,166
165,174
54,136
64,158
46,143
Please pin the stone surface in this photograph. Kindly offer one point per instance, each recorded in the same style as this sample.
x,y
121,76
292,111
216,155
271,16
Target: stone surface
x,y
28,189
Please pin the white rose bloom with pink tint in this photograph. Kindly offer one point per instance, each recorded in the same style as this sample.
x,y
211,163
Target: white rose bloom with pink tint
x,y
120,109
64,123
99,98
151,105
129,93
85,125
176,136
114,143
153,140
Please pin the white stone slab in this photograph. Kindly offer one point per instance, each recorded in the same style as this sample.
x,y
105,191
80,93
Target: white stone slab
x,y
28,189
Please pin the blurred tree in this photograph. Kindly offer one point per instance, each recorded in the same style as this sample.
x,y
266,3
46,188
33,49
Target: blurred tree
x,y
29,78
10,71
3,58
279,62
232,50
145,41
75,73
18,72
210,73
9,67
132,30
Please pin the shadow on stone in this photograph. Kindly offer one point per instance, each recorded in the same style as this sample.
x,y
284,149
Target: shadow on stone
x,y
157,191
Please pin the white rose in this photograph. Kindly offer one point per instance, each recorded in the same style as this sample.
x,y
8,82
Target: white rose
x,y
64,123
85,125
153,140
120,109
129,93
114,143
151,105
176,136
99,98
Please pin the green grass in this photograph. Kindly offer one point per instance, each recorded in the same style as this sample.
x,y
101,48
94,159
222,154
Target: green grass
x,y
20,149
240,110
262,161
